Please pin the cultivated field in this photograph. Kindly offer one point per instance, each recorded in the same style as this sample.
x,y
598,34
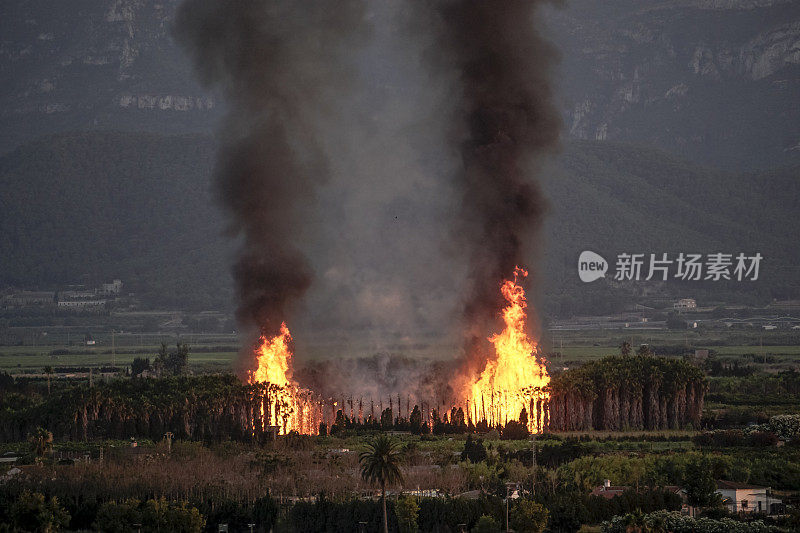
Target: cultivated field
x,y
768,350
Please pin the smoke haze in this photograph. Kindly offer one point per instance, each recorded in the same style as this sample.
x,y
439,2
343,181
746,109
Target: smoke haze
x,y
279,66
505,122
384,151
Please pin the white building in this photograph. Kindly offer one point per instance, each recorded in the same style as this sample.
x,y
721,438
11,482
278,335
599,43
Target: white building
x,y
746,498
685,303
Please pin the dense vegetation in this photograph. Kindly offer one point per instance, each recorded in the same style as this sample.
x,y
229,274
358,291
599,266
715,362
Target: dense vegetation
x,y
204,407
269,484
615,393
628,392
678,523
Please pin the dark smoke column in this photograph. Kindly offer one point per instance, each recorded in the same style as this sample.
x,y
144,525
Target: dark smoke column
x,y
505,121
279,65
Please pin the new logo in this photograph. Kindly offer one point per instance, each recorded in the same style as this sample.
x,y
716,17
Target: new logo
x,y
591,266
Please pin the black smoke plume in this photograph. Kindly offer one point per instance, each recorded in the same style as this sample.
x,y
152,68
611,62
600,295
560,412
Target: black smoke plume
x,y
505,122
279,66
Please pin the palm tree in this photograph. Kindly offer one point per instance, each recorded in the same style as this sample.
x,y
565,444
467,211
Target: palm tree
x,y
42,442
380,463
625,348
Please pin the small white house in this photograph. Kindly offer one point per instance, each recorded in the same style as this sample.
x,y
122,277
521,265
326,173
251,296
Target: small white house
x,y
746,498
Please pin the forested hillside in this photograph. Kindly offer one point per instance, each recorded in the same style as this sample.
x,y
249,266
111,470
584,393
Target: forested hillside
x,y
613,198
90,206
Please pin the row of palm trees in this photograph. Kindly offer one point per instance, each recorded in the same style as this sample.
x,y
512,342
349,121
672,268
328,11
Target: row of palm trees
x,y
627,392
615,393
202,408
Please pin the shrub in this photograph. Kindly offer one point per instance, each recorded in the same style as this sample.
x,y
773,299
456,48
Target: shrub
x,y
514,431
407,511
486,524
31,512
762,439
677,523
529,517
153,515
118,517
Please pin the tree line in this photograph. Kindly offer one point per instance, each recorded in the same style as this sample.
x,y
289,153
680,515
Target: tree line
x,y
615,393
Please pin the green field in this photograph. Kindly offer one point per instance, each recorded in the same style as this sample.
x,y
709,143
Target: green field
x,y
214,353
31,360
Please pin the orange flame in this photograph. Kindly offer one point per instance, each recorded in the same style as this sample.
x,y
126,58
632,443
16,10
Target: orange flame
x,y
274,359
514,379
283,403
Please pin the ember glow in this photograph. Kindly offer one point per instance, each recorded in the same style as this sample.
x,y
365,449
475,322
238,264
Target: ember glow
x,y
515,378
283,403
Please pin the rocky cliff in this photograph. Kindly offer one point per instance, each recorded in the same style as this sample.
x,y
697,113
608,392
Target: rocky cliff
x,y
716,81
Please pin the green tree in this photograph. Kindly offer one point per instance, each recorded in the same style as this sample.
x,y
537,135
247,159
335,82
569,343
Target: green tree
x,y
514,430
118,517
486,524
529,517
380,464
173,362
163,515
31,512
415,421
474,451
635,522
139,365
386,419
566,514
41,442
407,511
699,482
675,322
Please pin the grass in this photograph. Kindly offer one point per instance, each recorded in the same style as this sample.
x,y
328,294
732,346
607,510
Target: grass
x,y
571,347
29,359
217,352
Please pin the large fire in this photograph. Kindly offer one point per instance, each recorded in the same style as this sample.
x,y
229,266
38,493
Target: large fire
x,y
514,379
283,403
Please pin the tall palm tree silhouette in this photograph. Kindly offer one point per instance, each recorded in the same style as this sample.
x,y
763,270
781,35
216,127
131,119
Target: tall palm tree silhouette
x,y
380,464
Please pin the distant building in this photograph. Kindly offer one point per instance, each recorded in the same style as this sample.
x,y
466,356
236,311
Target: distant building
x,y
608,491
115,287
747,498
685,303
